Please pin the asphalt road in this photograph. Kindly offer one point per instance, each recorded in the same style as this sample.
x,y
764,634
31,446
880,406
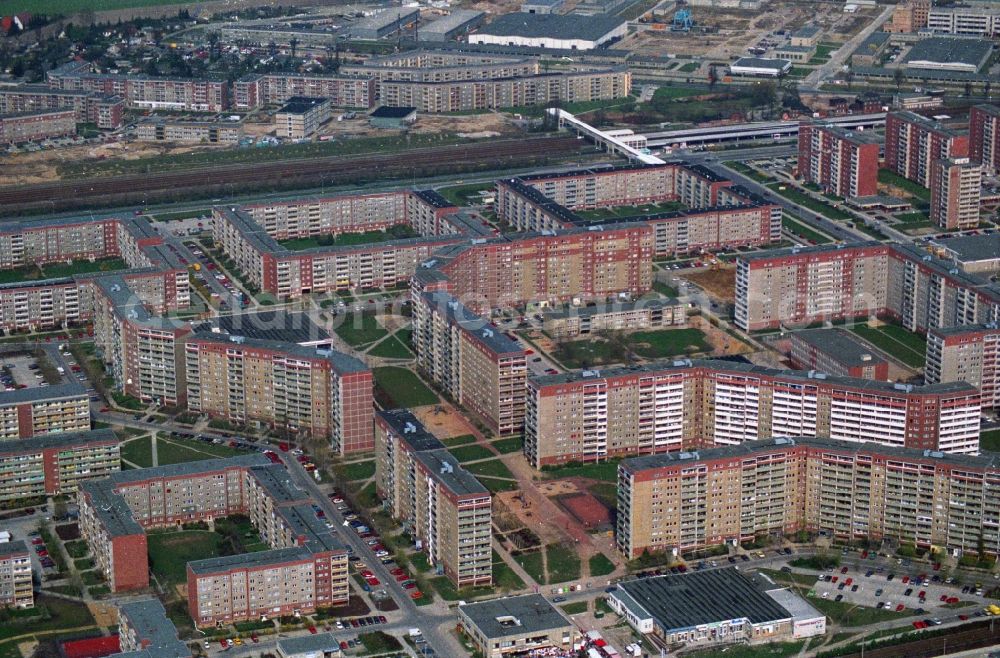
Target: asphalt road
x,y
433,622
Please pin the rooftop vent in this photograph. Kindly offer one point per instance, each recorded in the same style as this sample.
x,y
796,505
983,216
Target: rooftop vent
x,y
446,467
409,428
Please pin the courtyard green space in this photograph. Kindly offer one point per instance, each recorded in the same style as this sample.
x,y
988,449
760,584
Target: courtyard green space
x,y
59,270
395,232
896,342
472,452
606,471
357,329
400,387
391,348
610,212
491,468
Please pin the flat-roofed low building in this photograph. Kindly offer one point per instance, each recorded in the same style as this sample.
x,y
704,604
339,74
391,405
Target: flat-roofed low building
x,y
164,129
807,35
38,125
145,631
717,606
15,575
301,116
836,353
321,645
451,26
574,321
561,31
949,54
973,253
517,625
760,67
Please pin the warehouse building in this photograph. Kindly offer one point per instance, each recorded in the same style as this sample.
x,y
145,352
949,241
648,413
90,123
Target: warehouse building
x,y
836,353
719,606
456,24
384,23
516,625
949,54
567,32
759,67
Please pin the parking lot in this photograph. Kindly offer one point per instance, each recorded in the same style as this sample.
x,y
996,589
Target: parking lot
x,y
874,585
23,370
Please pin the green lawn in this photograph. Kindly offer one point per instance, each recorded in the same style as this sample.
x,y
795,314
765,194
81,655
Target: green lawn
x,y
54,614
670,91
391,348
889,177
913,217
805,201
990,440
470,453
169,552
609,212
575,608
747,171
492,468
803,231
769,650
359,470
503,576
690,67
606,471
465,195
176,451
600,565
403,388
668,342
139,452
848,614
496,486
506,446
665,289
532,565
395,232
890,344
564,563
378,642
587,353
460,440
360,329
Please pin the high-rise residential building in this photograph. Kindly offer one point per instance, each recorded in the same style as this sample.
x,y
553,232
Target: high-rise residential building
x,y
15,575
984,136
913,143
956,184
115,513
842,162
472,360
800,286
447,510
55,464
966,354
685,501
692,404
321,393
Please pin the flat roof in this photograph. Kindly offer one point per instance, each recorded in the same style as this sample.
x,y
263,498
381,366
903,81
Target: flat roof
x,y
272,325
762,63
950,50
554,26
321,642
889,388
806,32
456,20
839,345
473,324
514,616
302,104
341,362
796,606
751,448
63,440
387,112
972,248
14,547
682,601
407,426
249,560
449,471
610,307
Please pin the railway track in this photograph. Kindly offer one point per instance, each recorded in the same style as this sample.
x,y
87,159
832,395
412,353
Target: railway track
x,y
959,639
280,174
